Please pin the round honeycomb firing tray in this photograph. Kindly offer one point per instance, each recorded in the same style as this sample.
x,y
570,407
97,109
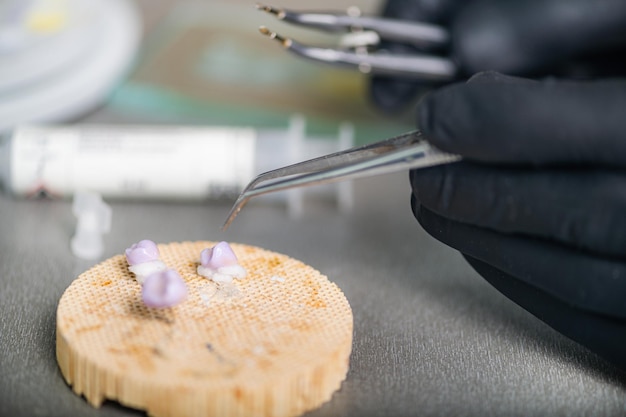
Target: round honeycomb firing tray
x,y
276,343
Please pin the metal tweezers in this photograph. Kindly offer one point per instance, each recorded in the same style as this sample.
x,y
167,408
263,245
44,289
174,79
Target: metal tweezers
x,y
357,50
404,152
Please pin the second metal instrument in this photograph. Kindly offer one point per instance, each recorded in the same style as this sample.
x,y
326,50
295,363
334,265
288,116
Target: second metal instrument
x,y
359,47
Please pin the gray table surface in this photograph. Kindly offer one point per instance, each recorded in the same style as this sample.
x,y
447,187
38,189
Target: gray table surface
x,y
430,337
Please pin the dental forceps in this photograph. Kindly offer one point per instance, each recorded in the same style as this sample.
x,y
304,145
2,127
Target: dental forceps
x,y
404,152
364,34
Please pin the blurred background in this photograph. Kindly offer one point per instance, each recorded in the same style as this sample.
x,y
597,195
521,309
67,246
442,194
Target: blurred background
x,y
175,62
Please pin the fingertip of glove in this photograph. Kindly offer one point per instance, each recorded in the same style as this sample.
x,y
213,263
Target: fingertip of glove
x,y
432,223
485,77
392,95
471,118
419,213
433,117
495,77
424,112
414,204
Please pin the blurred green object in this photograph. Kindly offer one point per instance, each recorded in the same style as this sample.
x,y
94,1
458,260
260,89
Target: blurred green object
x,y
207,64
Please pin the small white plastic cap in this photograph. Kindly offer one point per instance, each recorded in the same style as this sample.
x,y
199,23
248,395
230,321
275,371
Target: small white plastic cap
x,y
359,39
94,219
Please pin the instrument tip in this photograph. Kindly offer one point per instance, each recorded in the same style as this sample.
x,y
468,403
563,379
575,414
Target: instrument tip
x,y
286,42
269,9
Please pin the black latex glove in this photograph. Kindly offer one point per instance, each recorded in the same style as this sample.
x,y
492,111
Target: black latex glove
x,y
533,38
538,205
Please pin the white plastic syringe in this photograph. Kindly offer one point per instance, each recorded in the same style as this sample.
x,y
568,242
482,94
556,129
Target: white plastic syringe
x,y
156,162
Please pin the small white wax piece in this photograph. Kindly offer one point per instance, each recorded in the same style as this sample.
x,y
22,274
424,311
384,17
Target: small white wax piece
x,y
205,298
236,271
144,269
222,278
205,272
216,276
277,278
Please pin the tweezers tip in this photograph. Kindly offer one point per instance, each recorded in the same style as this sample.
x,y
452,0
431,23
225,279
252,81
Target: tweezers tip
x,y
229,219
234,211
271,10
286,42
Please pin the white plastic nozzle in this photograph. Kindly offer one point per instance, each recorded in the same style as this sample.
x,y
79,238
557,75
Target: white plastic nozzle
x,y
94,219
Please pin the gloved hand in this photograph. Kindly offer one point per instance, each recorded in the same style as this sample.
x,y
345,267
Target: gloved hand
x,y
533,38
538,205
